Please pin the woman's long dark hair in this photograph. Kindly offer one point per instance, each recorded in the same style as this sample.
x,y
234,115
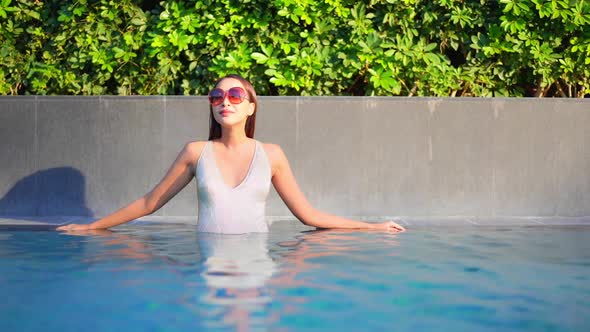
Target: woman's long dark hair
x,y
215,127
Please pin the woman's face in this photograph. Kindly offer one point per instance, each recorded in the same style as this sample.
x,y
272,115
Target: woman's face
x,y
228,113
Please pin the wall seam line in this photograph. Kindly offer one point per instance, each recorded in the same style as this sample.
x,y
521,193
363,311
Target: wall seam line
x,y
36,157
496,115
163,149
297,128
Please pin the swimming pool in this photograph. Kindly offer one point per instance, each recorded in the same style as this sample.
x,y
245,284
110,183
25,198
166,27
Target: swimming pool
x,y
155,277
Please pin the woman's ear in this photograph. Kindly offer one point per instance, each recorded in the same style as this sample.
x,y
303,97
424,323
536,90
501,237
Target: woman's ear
x,y
251,108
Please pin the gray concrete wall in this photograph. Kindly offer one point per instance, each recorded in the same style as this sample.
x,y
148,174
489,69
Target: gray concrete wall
x,y
367,156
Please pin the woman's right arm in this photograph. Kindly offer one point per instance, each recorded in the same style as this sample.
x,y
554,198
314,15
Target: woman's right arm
x,y
178,176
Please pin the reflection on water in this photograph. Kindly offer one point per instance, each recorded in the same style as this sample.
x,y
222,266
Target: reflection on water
x,y
169,277
236,261
242,282
236,270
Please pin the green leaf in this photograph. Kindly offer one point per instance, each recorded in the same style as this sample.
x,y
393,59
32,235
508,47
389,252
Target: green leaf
x,y
430,47
259,57
267,50
158,42
118,51
137,21
431,58
32,14
286,48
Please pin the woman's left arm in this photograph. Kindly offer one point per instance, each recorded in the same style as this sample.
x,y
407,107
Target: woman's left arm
x,y
287,188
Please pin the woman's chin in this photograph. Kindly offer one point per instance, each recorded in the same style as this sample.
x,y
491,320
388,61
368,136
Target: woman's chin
x,y
229,123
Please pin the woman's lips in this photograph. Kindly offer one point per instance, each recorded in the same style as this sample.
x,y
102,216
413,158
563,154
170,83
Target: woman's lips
x,y
225,112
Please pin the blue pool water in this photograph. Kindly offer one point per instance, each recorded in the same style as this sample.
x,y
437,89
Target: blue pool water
x,y
154,277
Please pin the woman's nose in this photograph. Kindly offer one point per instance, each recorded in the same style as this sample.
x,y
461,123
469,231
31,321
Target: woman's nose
x,y
226,100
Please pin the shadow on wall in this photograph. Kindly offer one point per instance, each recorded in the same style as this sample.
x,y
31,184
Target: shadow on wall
x,y
59,191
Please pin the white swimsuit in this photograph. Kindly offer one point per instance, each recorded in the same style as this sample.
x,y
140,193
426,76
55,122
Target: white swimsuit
x,y
238,210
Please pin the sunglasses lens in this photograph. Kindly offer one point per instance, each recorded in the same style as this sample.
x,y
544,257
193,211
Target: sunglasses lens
x,y
216,97
236,95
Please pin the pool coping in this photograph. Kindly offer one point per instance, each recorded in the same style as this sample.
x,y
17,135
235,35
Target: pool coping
x,y
406,221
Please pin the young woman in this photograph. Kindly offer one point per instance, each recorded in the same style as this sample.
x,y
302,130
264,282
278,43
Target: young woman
x,y
233,173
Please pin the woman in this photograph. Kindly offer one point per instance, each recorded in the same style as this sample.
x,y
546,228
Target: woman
x,y
233,173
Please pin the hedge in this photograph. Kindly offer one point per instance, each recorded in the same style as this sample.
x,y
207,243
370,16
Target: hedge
x,y
297,47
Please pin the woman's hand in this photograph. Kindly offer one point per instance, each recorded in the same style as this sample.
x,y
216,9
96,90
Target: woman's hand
x,y
389,226
75,227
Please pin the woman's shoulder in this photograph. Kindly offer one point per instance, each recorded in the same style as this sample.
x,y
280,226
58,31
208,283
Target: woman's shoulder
x,y
192,150
274,152
271,148
195,146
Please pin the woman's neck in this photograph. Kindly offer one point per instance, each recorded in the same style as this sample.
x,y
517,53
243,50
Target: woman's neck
x,y
232,137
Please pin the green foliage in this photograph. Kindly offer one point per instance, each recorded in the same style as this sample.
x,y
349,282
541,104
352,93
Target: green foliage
x,y
297,47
